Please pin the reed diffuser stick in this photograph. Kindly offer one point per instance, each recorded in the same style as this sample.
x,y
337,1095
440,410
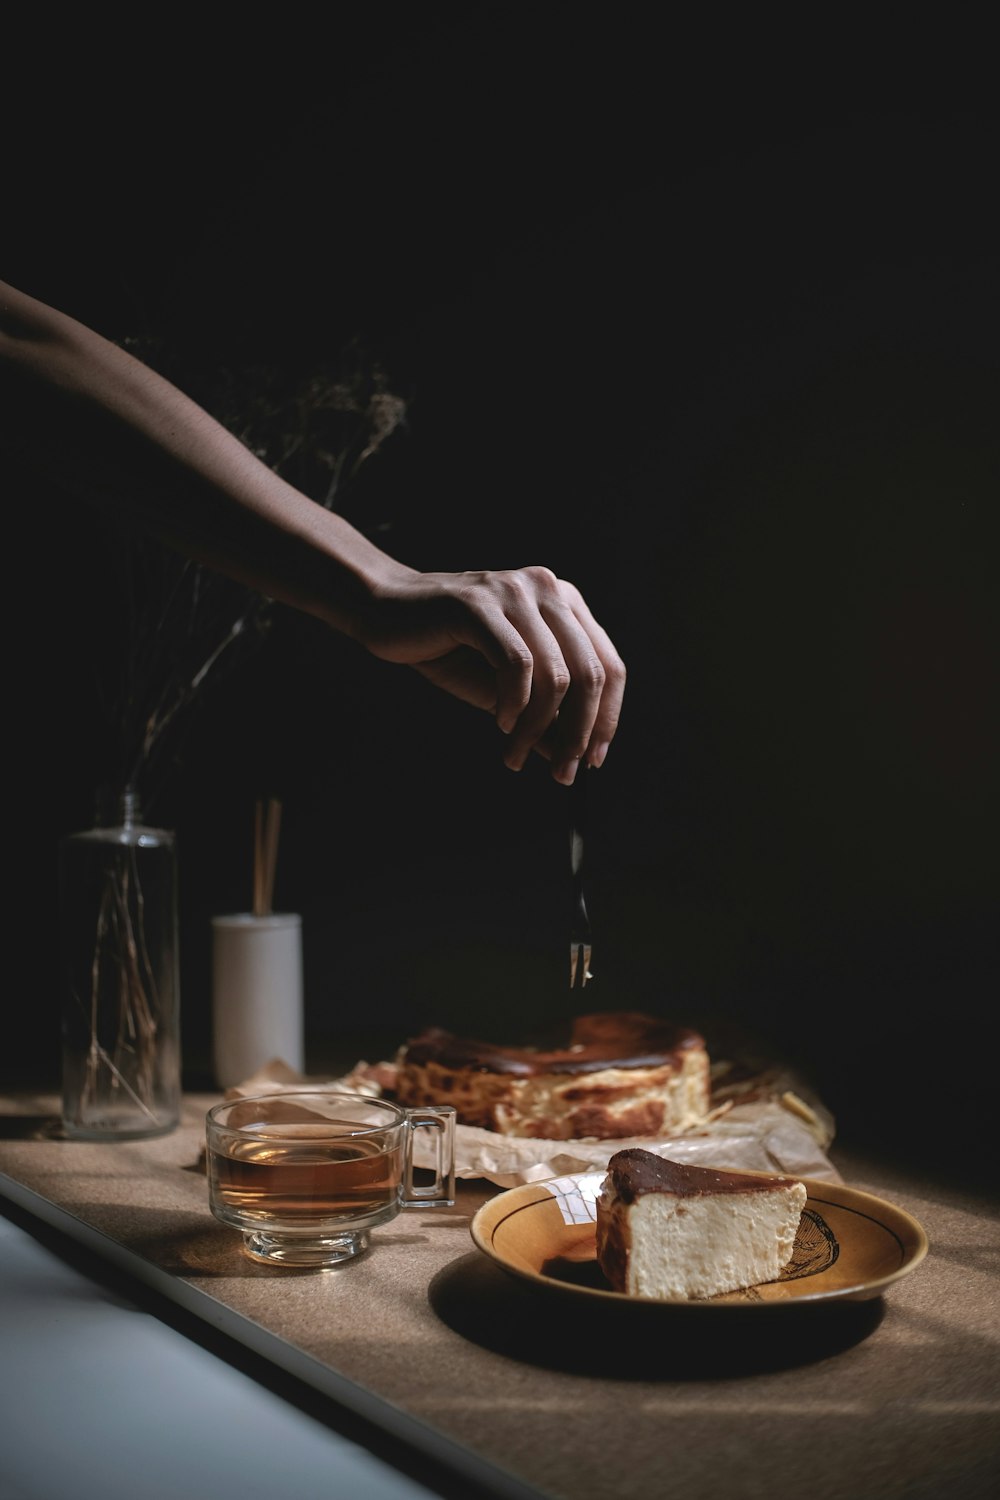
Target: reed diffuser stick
x,y
265,855
271,851
258,859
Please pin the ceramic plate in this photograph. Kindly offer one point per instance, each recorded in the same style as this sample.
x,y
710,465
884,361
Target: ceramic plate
x,y
850,1245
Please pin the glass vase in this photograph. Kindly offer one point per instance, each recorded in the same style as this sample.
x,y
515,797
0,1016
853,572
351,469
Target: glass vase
x,y
120,1002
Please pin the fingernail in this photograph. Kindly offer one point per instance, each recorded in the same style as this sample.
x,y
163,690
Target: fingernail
x,y
597,754
514,762
566,773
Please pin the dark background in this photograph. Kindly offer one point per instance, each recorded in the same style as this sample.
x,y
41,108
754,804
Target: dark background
x,y
707,321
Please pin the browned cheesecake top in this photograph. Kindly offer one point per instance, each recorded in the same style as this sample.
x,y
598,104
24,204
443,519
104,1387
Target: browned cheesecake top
x,y
611,1039
633,1172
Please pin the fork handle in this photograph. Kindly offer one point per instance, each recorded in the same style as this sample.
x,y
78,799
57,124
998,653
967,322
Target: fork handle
x,y
578,819
577,823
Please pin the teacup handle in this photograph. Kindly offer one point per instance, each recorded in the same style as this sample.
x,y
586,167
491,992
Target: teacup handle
x,y
441,1192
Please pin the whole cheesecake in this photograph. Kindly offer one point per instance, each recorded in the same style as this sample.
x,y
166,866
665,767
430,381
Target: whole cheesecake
x,y
605,1076
672,1231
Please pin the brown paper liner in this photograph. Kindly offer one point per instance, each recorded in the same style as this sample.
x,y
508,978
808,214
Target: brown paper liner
x,y
762,1120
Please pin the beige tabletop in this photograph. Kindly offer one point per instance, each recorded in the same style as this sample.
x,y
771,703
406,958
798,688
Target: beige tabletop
x,y
531,1392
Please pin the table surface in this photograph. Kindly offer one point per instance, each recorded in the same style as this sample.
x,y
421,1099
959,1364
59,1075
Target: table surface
x,y
443,1375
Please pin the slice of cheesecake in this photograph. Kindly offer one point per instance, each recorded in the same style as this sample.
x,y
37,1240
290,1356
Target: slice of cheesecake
x,y
665,1230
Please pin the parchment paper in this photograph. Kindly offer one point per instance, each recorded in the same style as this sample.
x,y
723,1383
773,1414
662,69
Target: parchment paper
x,y
763,1120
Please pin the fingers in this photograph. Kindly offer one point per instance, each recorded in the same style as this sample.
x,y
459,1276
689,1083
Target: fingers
x,y
522,644
606,720
577,679
589,714
494,613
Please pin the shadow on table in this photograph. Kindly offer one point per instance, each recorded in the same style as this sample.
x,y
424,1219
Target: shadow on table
x,y
38,1127
633,1341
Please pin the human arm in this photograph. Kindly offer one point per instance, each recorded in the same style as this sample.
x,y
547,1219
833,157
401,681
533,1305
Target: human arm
x,y
519,643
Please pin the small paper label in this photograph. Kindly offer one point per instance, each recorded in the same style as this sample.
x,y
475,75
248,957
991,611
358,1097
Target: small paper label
x,y
577,1197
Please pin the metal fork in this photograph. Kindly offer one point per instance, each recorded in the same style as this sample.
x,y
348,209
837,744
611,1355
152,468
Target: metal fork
x,y
579,940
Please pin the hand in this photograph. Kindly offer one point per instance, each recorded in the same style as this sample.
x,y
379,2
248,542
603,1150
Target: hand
x,y
520,643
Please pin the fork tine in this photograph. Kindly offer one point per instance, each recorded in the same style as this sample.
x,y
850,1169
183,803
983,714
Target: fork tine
x,y
579,964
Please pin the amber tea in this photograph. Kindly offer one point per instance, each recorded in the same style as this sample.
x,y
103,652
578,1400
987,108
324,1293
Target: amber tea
x,y
305,1175
307,1178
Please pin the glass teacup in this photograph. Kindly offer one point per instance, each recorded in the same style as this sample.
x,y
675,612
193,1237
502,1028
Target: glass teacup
x,y
305,1174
